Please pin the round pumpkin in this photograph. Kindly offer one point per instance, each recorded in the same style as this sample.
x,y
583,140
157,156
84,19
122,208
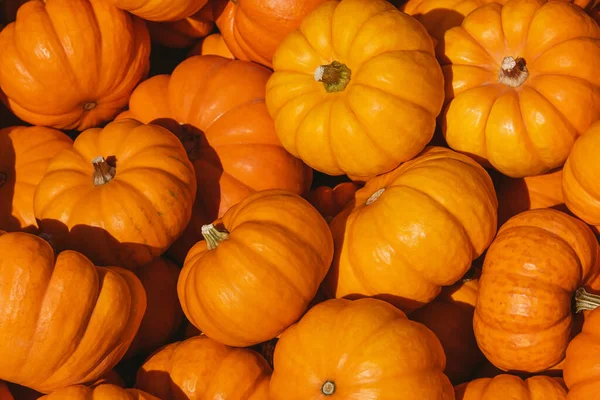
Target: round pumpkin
x,y
102,392
361,100
184,32
121,195
331,201
413,230
160,10
507,386
358,349
25,152
581,370
537,263
71,64
257,270
521,84
216,107
201,368
211,45
63,321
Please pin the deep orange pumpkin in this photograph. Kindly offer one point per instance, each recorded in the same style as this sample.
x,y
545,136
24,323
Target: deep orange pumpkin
x,y
102,392
330,201
184,32
504,387
160,10
212,44
581,370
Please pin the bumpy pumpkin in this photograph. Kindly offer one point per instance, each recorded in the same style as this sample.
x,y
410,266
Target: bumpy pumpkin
x,y
71,64
49,302
212,44
216,107
121,195
330,201
581,370
102,392
538,261
24,155
521,84
160,10
184,32
361,100
505,386
358,349
273,243
201,368
413,230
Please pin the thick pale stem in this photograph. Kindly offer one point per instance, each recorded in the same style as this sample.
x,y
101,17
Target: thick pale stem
x,y
213,236
585,301
513,71
3,178
328,388
103,172
89,106
375,196
335,76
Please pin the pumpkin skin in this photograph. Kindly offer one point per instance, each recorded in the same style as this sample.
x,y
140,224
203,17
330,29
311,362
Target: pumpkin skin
x,y
25,152
211,45
215,106
523,318
440,201
376,109
81,81
184,32
358,349
275,238
201,368
160,10
513,101
498,388
153,181
102,392
61,301
331,201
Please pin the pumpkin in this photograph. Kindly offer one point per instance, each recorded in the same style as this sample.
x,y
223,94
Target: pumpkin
x,y
160,10
450,317
24,155
121,195
413,230
257,270
201,368
215,105
358,349
361,101
102,392
538,262
580,179
534,388
71,64
111,377
49,302
521,84
184,32
330,201
212,44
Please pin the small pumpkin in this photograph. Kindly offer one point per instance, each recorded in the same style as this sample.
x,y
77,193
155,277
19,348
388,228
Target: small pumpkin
x,y
201,368
361,100
121,195
534,388
25,153
357,349
212,44
521,84
184,32
536,266
413,230
71,64
160,10
331,201
273,243
50,301
102,392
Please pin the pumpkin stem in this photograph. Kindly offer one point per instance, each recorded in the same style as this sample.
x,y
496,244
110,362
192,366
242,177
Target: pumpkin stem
x,y
375,196
3,178
328,388
335,76
213,236
89,105
103,171
585,301
513,71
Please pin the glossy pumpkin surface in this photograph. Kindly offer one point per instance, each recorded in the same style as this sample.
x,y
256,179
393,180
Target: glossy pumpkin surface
x,y
505,386
160,10
581,370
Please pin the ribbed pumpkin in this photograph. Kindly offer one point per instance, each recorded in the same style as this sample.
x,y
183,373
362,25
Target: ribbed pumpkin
x,y
184,32
216,107
200,368
24,156
211,45
413,230
102,392
538,261
120,196
331,201
71,64
581,370
521,84
504,387
356,89
160,10
356,350
49,302
273,243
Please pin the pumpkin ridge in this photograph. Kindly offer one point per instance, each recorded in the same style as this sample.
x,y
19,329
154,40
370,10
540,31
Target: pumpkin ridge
x,y
397,96
357,32
491,58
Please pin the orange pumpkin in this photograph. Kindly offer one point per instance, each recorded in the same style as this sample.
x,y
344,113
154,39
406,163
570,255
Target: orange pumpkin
x,y
24,155
184,32
211,45
160,10
200,368
71,64
538,261
361,101
330,201
102,392
273,243
216,107
506,386
413,230
120,196
50,302
521,84
358,349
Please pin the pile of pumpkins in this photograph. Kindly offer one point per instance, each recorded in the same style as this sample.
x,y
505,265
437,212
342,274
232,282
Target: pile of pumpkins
x,y
299,199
